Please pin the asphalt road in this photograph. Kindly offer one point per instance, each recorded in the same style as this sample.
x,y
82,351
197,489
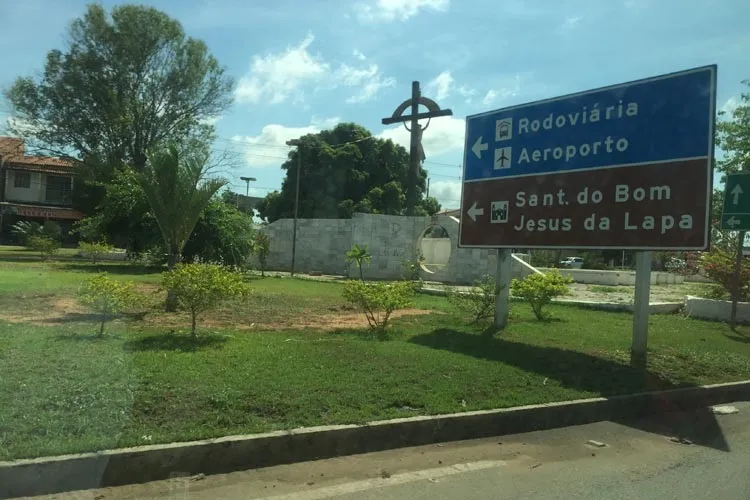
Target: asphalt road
x,y
697,455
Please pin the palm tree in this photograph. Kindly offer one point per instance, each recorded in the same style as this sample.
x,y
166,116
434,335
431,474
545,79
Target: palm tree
x,y
177,187
360,256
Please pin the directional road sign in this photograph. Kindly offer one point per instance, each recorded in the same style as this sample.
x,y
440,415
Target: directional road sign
x,y
736,213
627,166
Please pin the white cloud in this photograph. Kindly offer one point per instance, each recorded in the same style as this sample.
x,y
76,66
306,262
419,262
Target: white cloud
x,y
443,135
369,78
358,55
730,106
210,120
508,88
275,77
371,89
440,85
467,93
397,10
489,97
269,147
569,23
448,193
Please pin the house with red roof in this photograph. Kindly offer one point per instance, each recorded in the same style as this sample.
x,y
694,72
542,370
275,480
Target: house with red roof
x,y
37,188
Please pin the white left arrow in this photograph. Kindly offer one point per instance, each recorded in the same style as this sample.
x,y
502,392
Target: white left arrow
x,y
731,222
474,211
736,192
479,146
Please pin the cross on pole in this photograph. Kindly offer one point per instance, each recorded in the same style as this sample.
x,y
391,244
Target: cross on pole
x,y
416,152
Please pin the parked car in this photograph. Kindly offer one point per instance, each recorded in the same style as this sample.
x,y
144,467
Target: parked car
x,y
572,263
675,264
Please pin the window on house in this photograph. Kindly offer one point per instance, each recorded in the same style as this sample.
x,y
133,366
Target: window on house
x,y
22,180
58,189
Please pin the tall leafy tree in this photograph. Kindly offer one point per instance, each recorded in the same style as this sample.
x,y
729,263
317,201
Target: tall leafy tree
x,y
733,137
127,81
345,170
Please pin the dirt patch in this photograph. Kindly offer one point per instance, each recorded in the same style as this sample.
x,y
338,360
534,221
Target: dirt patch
x,y
54,311
322,322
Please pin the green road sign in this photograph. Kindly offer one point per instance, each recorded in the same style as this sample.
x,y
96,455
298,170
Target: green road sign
x,y
736,214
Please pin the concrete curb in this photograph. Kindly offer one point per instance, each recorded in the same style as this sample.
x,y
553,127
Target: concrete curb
x,y
215,456
654,307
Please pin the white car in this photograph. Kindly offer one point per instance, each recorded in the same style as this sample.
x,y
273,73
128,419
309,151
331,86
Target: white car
x,y
572,263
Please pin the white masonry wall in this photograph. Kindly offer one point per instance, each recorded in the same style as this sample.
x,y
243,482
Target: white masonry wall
x,y
322,245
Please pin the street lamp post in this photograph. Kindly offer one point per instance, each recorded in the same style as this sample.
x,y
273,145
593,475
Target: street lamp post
x,y
247,184
295,142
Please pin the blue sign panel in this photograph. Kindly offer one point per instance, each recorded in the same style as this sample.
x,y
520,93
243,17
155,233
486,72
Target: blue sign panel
x,y
666,118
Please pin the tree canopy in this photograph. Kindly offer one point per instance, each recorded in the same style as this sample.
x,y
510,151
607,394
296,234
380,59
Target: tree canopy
x,y
346,170
733,137
126,82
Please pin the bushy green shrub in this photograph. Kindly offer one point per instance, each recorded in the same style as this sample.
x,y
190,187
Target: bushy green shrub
x,y
24,230
261,247
539,289
719,267
95,251
412,270
479,303
107,297
202,287
360,256
222,234
46,246
378,301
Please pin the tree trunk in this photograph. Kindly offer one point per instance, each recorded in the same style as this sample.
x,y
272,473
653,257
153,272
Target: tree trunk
x,y
173,258
192,324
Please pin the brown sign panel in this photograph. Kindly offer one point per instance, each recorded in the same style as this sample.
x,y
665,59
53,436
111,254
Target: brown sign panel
x,y
655,206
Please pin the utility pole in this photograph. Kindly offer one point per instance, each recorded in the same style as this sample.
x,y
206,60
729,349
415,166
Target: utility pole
x,y
428,187
416,152
295,142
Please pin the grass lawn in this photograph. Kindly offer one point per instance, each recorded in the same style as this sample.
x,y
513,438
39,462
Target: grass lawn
x,y
292,355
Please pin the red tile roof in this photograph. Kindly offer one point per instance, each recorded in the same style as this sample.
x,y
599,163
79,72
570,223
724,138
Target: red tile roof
x,y
10,146
12,151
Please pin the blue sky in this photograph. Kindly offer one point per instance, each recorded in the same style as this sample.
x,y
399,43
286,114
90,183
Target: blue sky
x,y
305,65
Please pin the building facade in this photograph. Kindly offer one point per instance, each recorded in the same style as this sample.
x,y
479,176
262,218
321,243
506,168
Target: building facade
x,y
35,188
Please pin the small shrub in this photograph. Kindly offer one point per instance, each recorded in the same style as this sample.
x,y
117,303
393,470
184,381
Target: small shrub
x,y
25,229
539,289
261,247
412,270
107,297
202,287
479,303
378,301
719,267
47,247
95,251
52,230
359,255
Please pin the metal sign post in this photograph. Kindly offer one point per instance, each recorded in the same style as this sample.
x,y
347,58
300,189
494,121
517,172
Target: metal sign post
x,y
625,167
736,217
